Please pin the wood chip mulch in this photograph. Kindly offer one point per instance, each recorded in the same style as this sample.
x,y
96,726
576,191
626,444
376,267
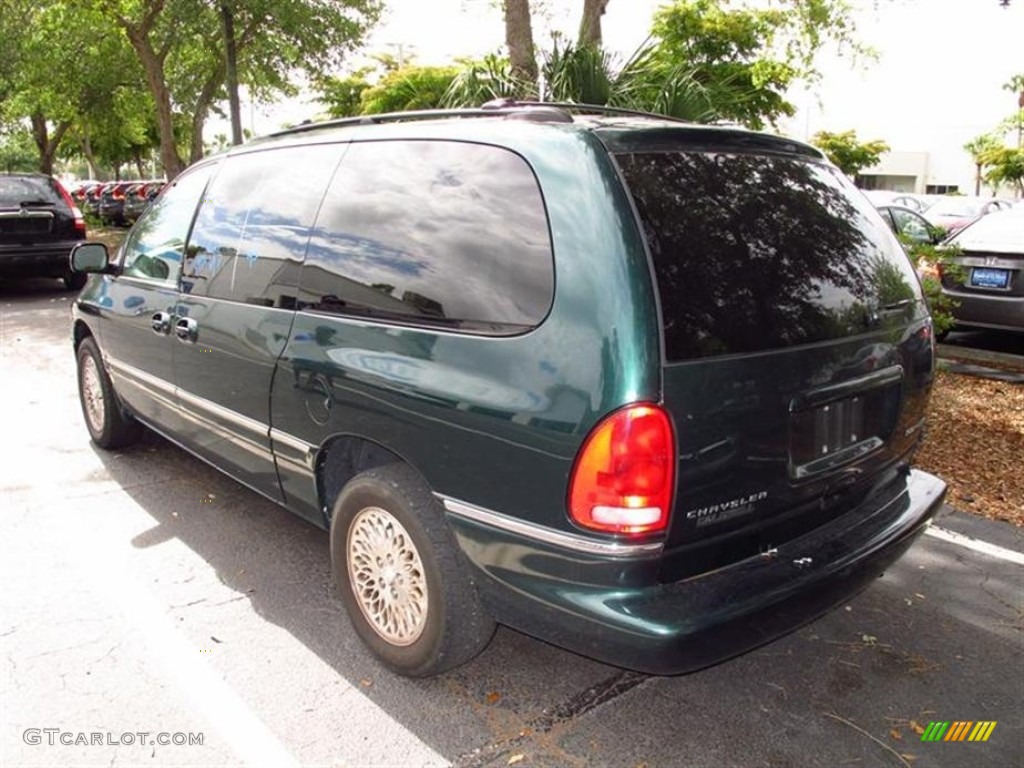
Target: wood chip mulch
x,y
975,442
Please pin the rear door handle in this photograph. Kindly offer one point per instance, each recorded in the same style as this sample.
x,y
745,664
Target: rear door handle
x,y
161,322
187,330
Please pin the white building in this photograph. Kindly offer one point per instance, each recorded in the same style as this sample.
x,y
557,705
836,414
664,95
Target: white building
x,y
926,173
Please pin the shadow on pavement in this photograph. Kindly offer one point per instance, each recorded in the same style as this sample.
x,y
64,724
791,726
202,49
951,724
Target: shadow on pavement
x,y
936,639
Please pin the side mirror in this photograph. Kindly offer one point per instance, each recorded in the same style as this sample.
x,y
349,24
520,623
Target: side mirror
x,y
89,257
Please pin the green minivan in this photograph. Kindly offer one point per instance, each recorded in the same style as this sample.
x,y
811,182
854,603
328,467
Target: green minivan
x,y
646,390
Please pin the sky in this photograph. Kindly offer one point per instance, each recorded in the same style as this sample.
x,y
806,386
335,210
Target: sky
x,y
935,84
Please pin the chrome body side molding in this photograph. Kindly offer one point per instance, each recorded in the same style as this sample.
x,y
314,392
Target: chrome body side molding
x,y
565,540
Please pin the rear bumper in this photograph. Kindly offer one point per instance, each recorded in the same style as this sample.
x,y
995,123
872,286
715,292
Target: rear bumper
x,y
683,626
988,310
36,260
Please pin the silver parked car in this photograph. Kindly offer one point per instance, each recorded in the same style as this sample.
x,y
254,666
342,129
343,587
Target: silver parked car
x,y
990,290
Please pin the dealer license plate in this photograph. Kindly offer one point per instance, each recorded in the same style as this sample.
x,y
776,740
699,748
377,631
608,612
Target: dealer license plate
x,y
985,277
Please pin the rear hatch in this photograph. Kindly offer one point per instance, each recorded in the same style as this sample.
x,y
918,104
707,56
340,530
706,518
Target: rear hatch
x,y
797,346
32,210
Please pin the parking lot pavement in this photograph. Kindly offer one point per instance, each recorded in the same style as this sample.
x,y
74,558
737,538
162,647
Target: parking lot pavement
x,y
144,592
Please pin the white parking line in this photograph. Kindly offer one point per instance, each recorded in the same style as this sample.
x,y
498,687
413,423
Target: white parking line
x,y
992,550
173,657
180,662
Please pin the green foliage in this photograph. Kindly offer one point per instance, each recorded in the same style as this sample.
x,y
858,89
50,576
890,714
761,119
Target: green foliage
x,y
409,88
180,46
745,59
17,153
478,82
579,73
932,262
343,95
731,50
849,155
71,71
589,75
980,145
706,61
1005,166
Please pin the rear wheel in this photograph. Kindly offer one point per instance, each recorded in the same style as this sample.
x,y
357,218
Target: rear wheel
x,y
108,426
397,568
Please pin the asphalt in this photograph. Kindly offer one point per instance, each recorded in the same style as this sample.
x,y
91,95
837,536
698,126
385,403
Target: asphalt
x,y
144,591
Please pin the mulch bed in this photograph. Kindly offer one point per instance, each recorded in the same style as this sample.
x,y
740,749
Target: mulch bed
x,y
975,442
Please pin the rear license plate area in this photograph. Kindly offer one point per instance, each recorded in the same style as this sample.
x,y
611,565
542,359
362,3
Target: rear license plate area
x,y
829,435
25,224
986,277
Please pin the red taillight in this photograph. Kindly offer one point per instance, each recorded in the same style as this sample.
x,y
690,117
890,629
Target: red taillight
x,y
77,214
625,472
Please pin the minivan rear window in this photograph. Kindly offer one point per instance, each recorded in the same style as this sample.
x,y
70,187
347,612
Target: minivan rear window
x,y
756,252
28,190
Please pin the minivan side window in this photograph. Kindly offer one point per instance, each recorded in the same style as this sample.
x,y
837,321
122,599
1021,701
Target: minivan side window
x,y
250,235
437,233
155,247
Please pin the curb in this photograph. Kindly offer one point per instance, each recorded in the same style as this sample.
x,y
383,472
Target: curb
x,y
997,532
994,374
1003,359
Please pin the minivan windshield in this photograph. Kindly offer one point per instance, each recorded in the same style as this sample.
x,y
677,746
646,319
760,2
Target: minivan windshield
x,y
755,252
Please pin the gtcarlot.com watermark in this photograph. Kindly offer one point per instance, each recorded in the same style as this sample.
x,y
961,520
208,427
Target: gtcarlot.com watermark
x,y
55,736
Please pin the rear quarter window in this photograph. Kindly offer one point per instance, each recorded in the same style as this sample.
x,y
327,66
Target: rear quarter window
x,y
757,252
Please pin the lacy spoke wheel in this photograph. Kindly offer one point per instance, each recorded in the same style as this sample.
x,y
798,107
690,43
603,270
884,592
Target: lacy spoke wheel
x,y
397,565
387,576
92,394
108,426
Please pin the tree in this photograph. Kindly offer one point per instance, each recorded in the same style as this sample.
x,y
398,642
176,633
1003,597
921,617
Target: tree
x,y
409,88
519,40
343,95
69,69
755,53
849,155
1015,85
17,151
180,45
490,78
978,148
1005,166
590,23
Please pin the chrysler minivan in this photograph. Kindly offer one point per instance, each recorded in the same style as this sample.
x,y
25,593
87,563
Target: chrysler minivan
x,y
646,390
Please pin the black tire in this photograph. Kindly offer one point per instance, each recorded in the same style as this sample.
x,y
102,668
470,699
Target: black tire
x,y
454,627
74,281
109,427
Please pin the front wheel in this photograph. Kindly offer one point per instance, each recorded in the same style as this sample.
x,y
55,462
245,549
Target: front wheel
x,y
398,570
108,426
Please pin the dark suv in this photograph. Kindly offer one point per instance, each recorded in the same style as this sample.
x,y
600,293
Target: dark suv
x,y
643,389
39,225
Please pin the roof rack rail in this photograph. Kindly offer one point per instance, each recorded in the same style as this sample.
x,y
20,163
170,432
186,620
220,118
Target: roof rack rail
x,y
569,106
542,111
398,117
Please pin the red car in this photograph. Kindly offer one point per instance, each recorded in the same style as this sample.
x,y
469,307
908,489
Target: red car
x,y
953,213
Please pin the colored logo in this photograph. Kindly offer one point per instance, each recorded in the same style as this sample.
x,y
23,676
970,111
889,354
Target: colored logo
x,y
958,730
